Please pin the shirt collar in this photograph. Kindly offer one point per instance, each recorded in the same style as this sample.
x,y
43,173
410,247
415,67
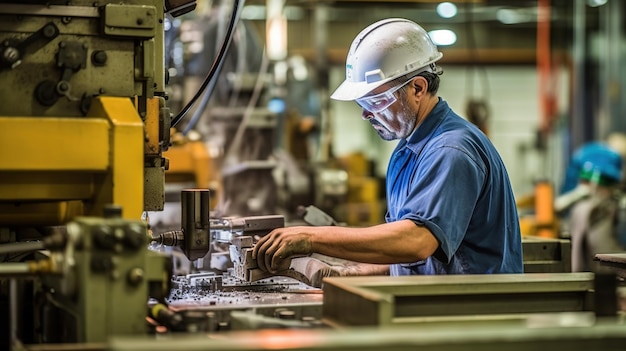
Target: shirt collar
x,y
429,123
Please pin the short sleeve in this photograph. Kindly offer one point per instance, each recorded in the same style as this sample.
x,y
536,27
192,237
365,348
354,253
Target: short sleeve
x,y
442,195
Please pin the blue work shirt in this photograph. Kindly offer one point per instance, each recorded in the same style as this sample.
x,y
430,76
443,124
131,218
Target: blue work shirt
x,y
448,177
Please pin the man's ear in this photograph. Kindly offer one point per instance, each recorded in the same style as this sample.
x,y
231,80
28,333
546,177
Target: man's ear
x,y
420,84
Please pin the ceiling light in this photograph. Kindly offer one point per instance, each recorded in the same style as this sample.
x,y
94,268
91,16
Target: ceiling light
x,y
442,37
446,9
596,3
515,16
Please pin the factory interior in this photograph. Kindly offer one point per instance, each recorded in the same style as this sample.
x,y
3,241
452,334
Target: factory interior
x,y
147,145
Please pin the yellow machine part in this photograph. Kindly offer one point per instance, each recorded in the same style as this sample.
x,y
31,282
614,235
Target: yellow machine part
x,y
189,162
364,205
55,168
543,222
151,126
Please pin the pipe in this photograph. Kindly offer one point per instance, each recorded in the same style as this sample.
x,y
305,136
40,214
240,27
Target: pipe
x,y
544,66
13,313
21,247
14,268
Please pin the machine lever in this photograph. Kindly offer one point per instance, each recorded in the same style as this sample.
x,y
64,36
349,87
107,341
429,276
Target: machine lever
x,y
13,51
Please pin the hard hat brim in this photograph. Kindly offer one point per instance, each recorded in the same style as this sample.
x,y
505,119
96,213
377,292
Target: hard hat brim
x,y
349,91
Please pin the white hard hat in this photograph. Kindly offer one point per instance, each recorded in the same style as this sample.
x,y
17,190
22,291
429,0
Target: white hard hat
x,y
384,51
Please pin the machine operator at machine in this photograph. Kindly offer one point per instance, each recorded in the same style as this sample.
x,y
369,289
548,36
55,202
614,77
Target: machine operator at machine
x,y
84,123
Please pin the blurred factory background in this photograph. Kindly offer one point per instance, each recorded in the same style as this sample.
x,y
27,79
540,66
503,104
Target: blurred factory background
x,y
541,79
111,207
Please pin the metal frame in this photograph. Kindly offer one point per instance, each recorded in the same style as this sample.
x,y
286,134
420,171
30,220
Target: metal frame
x,y
385,301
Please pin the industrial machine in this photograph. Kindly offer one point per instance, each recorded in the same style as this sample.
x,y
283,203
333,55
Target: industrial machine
x,y
84,123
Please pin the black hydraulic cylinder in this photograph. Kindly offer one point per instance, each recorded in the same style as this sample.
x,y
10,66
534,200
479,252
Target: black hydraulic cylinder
x,y
195,222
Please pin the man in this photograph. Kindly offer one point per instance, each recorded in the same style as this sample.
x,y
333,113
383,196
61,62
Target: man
x,y
593,209
451,209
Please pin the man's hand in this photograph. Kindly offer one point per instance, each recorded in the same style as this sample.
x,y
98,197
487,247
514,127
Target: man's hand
x,y
274,251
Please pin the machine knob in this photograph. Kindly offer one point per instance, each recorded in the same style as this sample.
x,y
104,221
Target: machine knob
x,y
104,237
10,56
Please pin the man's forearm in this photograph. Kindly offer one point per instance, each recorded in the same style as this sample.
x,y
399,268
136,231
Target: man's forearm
x,y
397,242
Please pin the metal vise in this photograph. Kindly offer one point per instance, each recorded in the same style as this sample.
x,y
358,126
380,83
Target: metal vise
x,y
198,230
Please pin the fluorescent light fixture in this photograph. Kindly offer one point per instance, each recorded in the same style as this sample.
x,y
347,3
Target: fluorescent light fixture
x,y
276,31
596,3
515,16
442,37
447,9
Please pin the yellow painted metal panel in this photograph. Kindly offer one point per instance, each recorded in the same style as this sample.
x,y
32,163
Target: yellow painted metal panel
x,y
45,186
180,159
38,143
40,213
127,155
190,162
151,124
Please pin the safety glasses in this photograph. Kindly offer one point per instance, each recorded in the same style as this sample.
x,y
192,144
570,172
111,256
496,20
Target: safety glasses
x,y
379,102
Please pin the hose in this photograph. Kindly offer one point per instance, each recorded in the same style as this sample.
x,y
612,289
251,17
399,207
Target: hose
x,y
217,63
